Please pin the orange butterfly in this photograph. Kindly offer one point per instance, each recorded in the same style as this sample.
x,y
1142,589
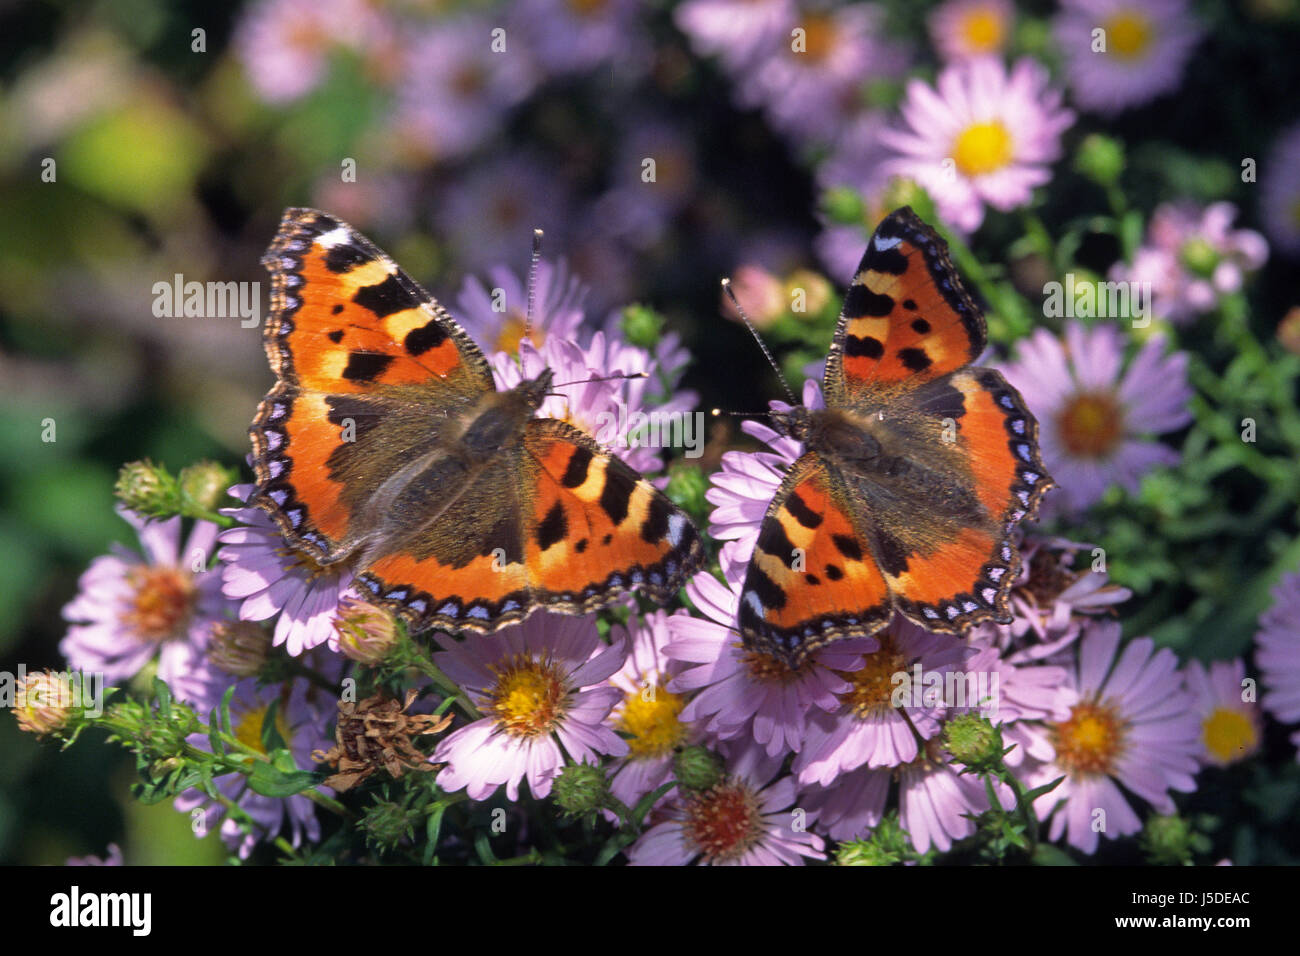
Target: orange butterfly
x,y
914,475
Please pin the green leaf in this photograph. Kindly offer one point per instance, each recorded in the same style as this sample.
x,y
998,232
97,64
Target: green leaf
x,y
271,739
1047,855
271,781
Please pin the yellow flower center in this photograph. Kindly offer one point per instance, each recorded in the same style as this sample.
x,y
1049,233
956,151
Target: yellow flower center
x,y
652,725
1229,735
873,684
1091,740
723,822
248,728
1091,425
983,148
512,333
162,603
529,697
1128,34
982,30
819,38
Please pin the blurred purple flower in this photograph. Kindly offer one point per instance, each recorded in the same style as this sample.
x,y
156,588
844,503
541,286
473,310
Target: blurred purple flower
x,y
1279,200
1277,652
984,137
1231,728
966,29
739,32
1094,416
1147,46
496,321
577,36
111,858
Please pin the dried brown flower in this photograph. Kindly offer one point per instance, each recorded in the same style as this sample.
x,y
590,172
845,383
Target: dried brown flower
x,y
376,734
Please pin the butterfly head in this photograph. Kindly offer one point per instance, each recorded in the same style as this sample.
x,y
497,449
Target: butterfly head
x,y
534,391
797,422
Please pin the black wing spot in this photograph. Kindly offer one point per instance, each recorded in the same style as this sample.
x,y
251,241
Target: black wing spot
x,y
812,579
892,553
366,366
857,346
802,513
770,594
920,327
773,540
914,359
860,301
336,336
616,494
576,471
909,305
655,526
345,257
607,539
580,546
428,336
385,298
847,546
890,261
834,572
337,309
553,527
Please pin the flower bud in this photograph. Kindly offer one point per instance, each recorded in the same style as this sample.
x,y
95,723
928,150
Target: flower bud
x,y
147,489
365,633
642,326
239,647
843,205
46,702
974,741
203,485
697,768
581,788
1170,840
1101,159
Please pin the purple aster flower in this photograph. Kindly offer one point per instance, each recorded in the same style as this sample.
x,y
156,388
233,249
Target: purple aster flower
x,y
744,486
853,806
880,715
1147,45
810,83
1231,728
1094,418
269,577
495,316
638,209
1133,725
112,858
966,29
1024,694
285,45
456,88
488,215
747,819
649,715
1277,653
984,137
130,607
935,802
541,686
1192,257
739,32
1279,199
575,36
747,692
302,716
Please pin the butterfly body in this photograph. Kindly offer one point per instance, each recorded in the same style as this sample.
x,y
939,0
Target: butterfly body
x,y
385,447
912,477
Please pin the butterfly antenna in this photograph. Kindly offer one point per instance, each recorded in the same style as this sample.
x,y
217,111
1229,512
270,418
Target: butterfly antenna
x,y
532,283
723,411
731,294
616,377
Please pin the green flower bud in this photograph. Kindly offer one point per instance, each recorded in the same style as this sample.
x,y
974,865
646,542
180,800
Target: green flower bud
x,y
697,768
1101,159
843,205
1168,840
1199,257
147,489
367,634
203,485
974,741
642,326
387,824
581,788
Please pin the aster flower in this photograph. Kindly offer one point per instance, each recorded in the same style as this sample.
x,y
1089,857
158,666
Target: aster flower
x,y
1094,419
879,717
983,137
935,802
1191,257
747,692
966,29
1231,729
638,211
747,819
285,45
541,686
268,577
111,858
1279,199
573,36
1133,726
853,806
301,719
810,84
648,714
456,89
1148,44
132,607
739,32
497,321
1025,695
1277,652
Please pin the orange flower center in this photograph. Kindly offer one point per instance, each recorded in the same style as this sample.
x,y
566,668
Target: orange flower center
x,y
1128,34
1091,424
1091,740
528,699
723,821
982,30
873,684
161,604
765,668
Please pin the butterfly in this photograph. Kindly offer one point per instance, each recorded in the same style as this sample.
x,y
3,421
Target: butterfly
x,y
914,475
385,447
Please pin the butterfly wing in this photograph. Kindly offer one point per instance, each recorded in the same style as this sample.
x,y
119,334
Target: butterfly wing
x,y
906,320
812,577
555,522
361,353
